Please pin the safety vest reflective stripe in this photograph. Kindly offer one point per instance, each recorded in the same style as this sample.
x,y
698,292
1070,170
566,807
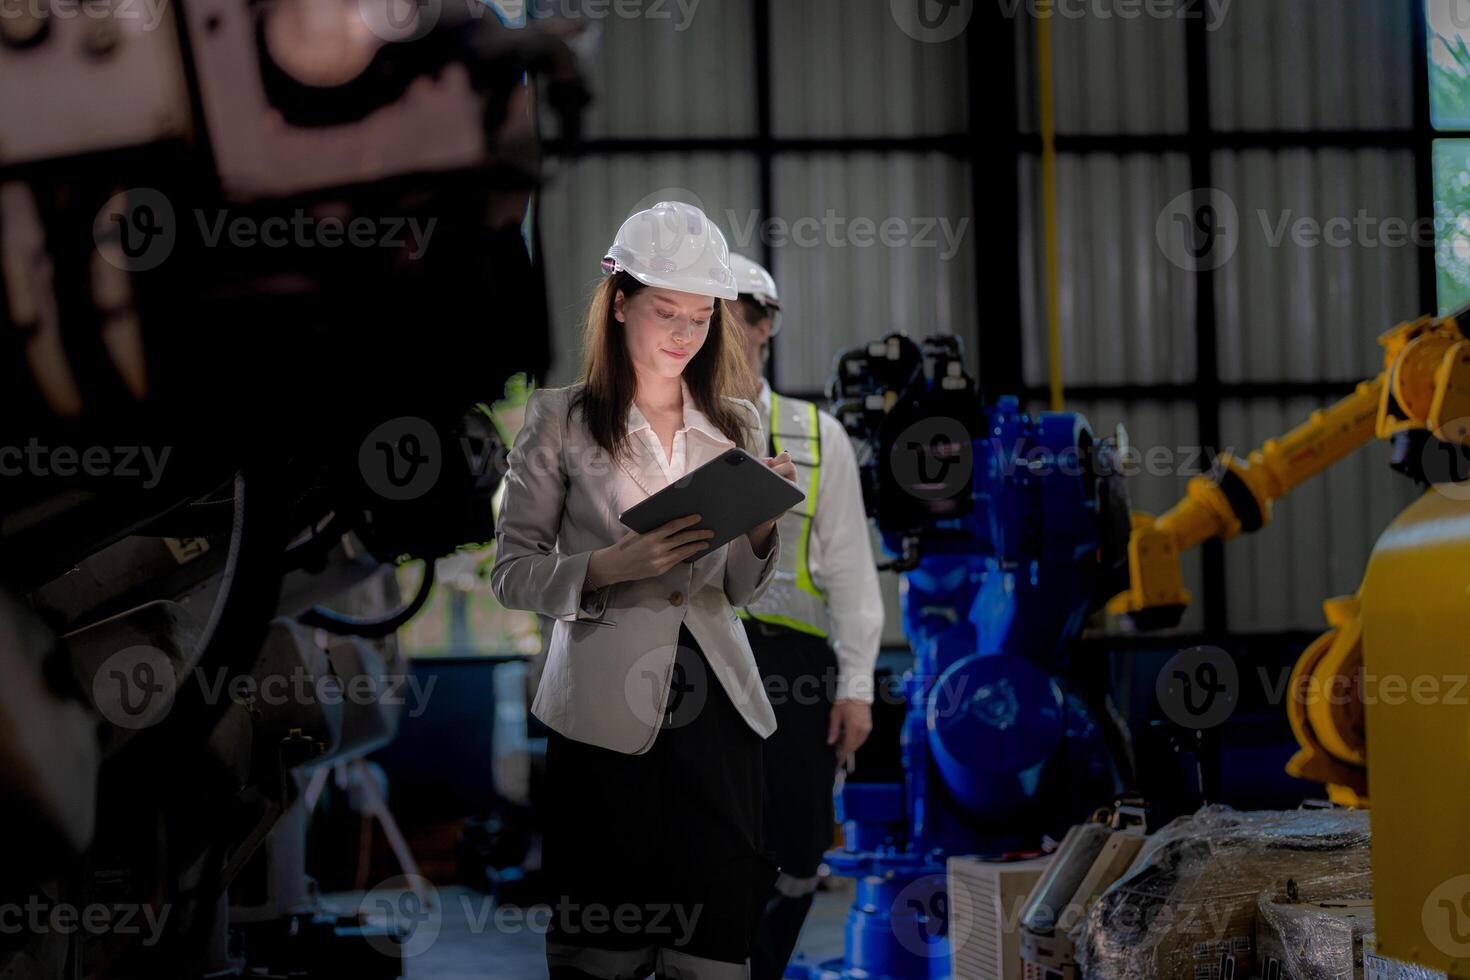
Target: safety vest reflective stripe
x,y
793,599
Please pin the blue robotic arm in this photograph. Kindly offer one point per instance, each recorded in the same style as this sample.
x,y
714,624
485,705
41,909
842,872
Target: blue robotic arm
x,y
1008,531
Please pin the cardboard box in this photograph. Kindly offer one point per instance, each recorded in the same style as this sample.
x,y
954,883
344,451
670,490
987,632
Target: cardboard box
x,y
985,903
1207,938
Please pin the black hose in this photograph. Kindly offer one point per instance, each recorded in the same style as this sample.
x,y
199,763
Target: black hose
x,y
335,622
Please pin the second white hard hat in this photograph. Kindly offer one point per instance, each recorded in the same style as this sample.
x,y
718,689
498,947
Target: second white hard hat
x,y
752,279
673,245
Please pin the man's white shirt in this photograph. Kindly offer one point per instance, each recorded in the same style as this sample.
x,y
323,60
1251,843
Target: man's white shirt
x,y
840,557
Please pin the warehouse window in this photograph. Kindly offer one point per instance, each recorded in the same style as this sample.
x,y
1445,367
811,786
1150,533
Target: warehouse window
x,y
1448,64
1452,223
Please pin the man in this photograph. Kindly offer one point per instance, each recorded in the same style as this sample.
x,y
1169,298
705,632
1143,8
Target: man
x,y
815,632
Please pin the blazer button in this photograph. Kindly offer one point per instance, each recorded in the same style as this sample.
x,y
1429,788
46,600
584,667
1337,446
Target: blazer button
x,y
677,599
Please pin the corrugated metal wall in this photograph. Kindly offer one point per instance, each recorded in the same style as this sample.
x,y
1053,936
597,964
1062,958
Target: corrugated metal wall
x,y
1112,74
840,68
1309,312
1283,311
667,75
1312,65
849,286
1127,312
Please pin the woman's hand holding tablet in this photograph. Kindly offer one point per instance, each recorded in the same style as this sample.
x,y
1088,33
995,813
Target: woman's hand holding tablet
x,y
733,494
645,555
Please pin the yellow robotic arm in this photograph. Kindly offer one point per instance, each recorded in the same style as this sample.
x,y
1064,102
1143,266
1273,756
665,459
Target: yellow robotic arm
x,y
1425,384
1394,656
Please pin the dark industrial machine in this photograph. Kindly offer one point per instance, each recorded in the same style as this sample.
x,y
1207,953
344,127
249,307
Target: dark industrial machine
x,y
263,263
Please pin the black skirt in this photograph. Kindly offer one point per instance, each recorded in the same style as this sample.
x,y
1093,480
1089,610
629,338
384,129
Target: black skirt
x,y
658,857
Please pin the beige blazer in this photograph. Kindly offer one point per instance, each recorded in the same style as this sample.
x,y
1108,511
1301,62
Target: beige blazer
x,y
611,656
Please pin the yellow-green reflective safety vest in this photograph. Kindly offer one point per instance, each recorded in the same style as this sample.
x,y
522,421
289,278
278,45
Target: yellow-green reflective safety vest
x,y
793,599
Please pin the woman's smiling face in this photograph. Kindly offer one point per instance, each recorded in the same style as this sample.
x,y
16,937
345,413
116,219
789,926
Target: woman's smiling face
x,y
664,328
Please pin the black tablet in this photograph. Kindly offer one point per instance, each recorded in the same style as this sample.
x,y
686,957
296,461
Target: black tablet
x,y
732,493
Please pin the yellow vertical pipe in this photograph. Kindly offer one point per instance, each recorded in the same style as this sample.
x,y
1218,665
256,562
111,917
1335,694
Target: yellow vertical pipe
x,y
1049,207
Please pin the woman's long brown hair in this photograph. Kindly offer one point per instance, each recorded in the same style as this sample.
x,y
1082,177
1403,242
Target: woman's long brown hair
x,y
716,373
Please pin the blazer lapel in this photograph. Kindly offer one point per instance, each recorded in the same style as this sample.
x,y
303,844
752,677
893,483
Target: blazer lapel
x,y
702,443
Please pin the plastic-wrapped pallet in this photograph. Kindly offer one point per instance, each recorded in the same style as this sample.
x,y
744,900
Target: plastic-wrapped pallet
x,y
1187,910
1311,940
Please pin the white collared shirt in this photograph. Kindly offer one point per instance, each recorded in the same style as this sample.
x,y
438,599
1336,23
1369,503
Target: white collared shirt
x,y
676,464
840,557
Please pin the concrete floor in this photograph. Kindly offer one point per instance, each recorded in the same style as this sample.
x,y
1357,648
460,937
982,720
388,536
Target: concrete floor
x,y
469,939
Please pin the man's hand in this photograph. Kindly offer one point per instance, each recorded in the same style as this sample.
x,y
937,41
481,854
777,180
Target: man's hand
x,y
783,465
848,727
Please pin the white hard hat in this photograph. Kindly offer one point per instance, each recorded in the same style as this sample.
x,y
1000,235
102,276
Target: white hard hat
x,y
752,279
673,245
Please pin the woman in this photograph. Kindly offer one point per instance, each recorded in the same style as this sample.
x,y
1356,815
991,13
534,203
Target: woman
x,y
652,832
